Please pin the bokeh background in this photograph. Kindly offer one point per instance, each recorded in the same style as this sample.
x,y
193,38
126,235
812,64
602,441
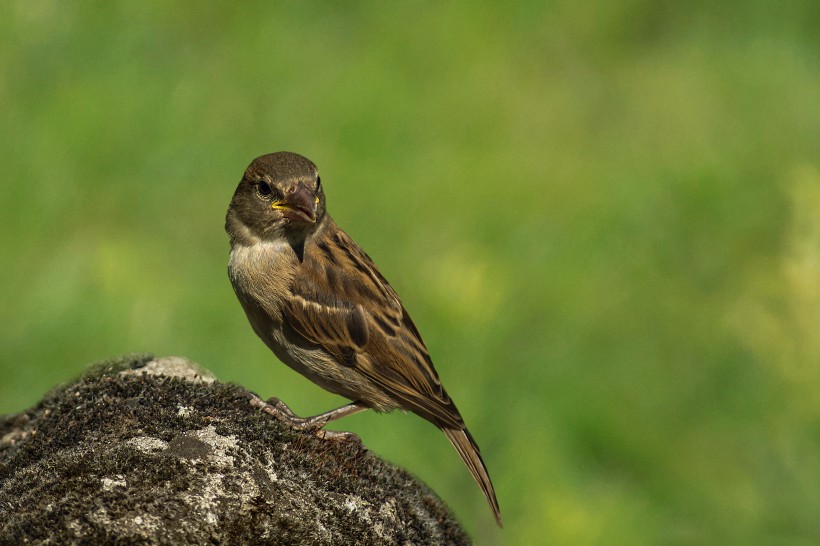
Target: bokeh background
x,y
603,216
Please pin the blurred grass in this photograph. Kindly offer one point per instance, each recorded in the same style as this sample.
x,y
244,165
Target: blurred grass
x,y
604,217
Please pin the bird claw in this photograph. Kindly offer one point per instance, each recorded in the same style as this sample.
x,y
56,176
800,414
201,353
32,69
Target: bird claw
x,y
337,436
282,408
279,410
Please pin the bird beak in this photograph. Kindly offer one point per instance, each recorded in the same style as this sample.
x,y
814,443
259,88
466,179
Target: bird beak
x,y
298,205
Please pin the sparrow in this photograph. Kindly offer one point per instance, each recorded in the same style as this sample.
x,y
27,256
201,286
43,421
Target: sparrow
x,y
321,305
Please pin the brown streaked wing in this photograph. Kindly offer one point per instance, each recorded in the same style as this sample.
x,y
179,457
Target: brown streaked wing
x,y
355,315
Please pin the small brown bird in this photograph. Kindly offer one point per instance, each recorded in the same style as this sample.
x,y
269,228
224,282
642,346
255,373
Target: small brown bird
x,y
321,305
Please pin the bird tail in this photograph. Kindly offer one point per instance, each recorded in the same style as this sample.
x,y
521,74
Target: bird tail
x,y
469,453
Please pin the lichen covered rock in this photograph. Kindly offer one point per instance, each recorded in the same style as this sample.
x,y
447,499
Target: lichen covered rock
x,y
156,451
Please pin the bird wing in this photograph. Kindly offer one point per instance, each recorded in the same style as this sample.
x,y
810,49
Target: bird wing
x,y
342,303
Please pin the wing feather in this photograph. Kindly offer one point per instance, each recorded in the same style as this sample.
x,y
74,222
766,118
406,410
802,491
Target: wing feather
x,y
364,325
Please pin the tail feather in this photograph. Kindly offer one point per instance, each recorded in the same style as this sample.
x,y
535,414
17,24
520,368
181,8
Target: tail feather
x,y
470,454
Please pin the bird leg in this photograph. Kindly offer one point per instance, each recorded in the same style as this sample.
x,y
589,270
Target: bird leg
x,y
315,424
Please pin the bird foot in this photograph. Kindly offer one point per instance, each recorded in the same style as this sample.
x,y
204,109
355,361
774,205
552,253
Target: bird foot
x,y
280,411
338,436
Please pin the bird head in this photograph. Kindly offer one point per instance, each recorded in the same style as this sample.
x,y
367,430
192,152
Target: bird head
x,y
280,196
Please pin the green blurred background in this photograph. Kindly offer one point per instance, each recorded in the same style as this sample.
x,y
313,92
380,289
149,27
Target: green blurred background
x,y
603,216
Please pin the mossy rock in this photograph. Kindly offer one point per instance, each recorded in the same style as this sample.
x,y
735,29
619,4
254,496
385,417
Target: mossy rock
x,y
156,451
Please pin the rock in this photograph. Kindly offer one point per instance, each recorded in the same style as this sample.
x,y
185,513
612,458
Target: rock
x,y
156,451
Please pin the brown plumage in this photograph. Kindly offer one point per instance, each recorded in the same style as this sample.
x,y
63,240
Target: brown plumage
x,y
321,305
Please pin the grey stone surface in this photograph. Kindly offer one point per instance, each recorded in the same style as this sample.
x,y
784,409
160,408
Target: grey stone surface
x,y
156,451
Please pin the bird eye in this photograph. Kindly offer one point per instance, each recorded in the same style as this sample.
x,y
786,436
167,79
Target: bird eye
x,y
263,188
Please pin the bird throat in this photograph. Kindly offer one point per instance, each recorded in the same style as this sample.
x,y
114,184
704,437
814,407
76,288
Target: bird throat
x,y
298,248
